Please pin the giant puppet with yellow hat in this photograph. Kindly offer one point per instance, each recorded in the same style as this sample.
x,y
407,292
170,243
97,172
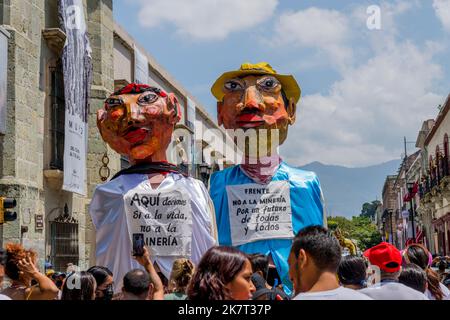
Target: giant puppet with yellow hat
x,y
263,202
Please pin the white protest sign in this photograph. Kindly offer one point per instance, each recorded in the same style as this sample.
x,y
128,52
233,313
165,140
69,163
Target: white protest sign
x,y
259,212
164,217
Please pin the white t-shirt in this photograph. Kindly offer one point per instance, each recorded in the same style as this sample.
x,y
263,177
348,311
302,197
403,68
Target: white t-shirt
x,y
393,291
340,293
113,243
445,291
3,297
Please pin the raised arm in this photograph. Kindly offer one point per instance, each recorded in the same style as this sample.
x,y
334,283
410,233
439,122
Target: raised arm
x,y
46,289
144,260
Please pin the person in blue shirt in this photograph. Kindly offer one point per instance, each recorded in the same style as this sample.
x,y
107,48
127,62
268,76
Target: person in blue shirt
x,y
263,202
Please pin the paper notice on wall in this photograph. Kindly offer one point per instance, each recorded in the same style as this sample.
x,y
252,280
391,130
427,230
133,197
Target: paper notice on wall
x,y
259,212
164,218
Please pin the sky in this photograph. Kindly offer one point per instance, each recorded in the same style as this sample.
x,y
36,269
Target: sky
x,y
367,79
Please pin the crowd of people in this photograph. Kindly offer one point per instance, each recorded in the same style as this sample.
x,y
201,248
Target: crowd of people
x,y
317,269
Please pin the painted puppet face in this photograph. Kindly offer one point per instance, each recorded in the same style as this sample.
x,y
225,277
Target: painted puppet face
x,y
139,124
256,102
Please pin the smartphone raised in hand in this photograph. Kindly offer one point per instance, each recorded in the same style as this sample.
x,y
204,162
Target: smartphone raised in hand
x,y
138,244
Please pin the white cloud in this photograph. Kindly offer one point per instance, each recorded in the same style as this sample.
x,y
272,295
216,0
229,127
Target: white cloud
x,y
442,9
335,35
363,118
206,19
325,30
389,32
385,90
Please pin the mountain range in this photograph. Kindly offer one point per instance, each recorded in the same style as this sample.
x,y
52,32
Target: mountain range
x,y
347,189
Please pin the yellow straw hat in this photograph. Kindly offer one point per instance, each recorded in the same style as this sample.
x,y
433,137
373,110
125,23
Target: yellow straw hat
x,y
288,82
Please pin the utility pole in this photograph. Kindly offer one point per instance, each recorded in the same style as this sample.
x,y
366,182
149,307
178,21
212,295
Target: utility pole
x,y
404,140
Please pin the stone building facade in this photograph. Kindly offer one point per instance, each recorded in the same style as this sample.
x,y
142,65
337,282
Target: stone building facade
x,y
434,205
30,148
30,168
407,173
389,203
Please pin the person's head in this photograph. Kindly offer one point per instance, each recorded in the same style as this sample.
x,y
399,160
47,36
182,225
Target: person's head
x,y
314,251
48,265
414,277
79,286
224,273
182,272
70,267
260,264
352,272
418,255
104,278
136,284
387,258
16,252
50,273
138,120
58,279
257,97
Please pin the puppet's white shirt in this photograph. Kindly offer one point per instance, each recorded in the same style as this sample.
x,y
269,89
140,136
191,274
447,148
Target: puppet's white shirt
x,y
113,240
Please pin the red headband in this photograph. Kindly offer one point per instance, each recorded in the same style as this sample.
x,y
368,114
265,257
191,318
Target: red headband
x,y
134,88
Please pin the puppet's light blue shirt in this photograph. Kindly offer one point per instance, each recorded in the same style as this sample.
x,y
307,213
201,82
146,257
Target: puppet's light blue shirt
x,y
306,205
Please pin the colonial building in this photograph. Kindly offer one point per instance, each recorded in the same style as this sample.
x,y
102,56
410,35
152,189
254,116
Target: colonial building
x,y
389,203
416,173
434,190
405,205
55,222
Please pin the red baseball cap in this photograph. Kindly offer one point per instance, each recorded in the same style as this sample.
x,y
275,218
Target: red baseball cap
x,y
384,255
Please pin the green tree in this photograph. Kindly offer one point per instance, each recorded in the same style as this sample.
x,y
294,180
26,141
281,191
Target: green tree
x,y
369,209
359,228
365,232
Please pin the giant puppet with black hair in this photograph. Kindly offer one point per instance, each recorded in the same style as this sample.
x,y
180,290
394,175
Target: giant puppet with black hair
x,y
262,202
152,199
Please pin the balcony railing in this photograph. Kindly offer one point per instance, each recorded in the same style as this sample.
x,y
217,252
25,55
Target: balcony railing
x,y
434,177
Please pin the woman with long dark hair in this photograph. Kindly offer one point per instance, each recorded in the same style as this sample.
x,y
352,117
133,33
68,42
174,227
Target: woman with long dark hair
x,y
79,286
104,278
418,254
224,273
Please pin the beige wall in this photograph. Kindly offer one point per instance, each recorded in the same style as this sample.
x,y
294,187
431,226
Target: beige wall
x,y
157,81
123,58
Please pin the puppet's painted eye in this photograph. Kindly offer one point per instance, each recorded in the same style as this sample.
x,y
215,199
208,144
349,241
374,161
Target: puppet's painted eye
x,y
233,85
113,102
148,97
268,83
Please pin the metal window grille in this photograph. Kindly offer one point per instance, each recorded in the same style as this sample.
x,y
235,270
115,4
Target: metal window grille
x,y
64,244
57,117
